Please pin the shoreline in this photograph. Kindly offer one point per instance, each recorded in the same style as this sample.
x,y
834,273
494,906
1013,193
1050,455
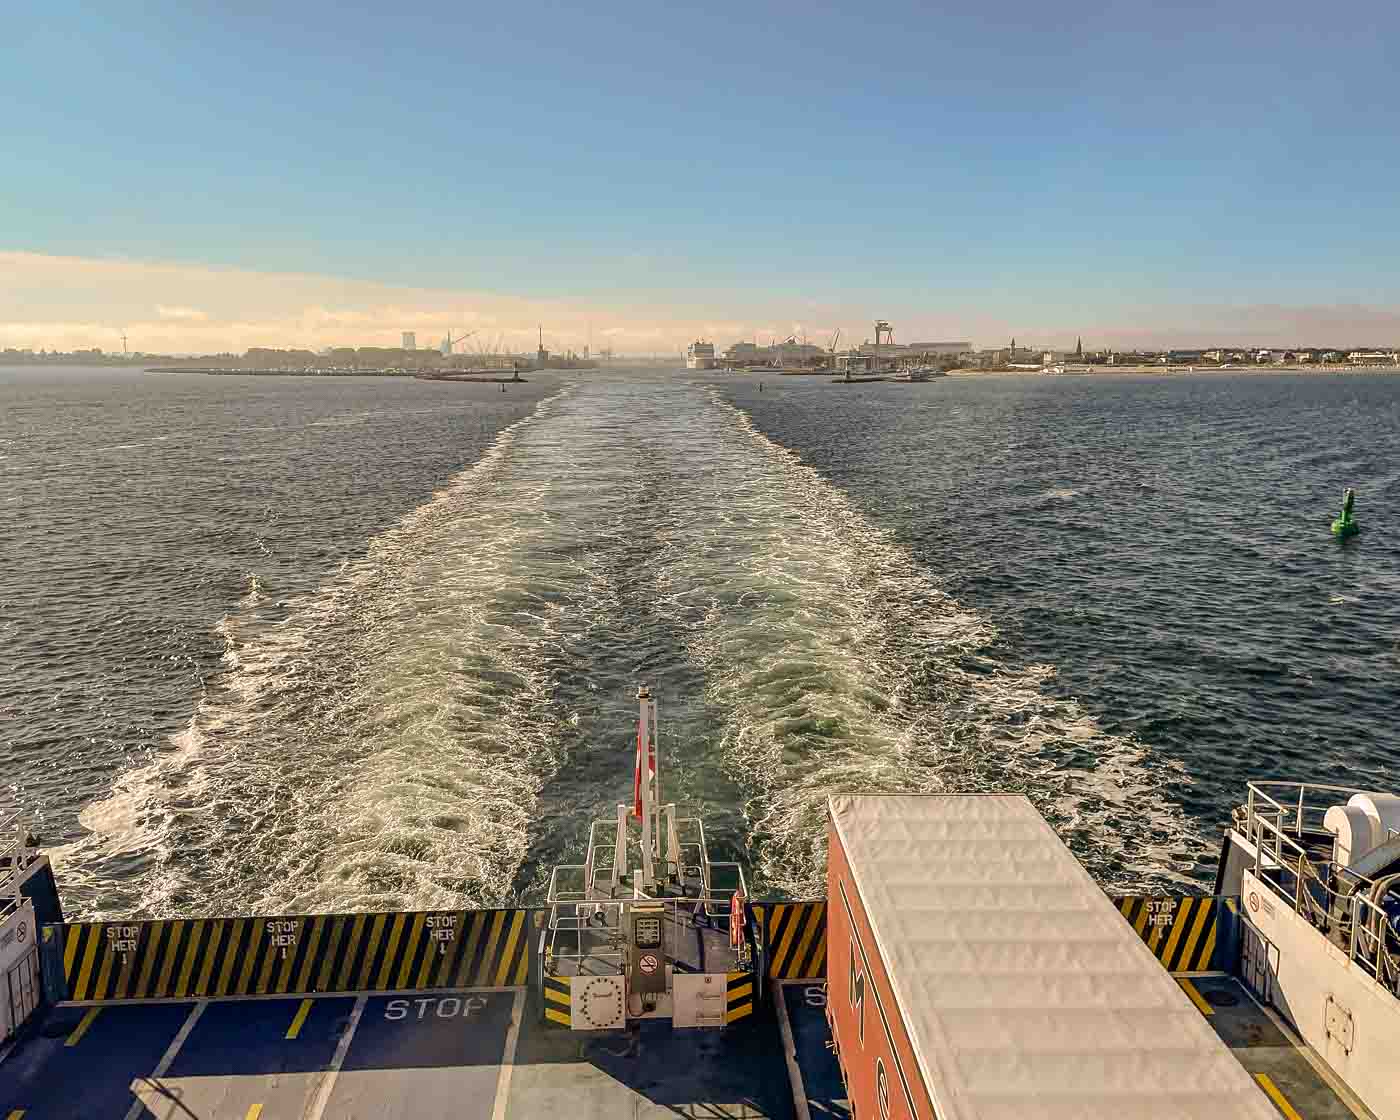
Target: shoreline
x,y
1179,371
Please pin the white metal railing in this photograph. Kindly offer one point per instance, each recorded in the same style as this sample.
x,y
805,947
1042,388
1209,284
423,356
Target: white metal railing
x,y
1277,816
585,924
13,860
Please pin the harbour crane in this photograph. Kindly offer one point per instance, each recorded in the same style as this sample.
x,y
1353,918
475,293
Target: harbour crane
x,y
835,338
449,343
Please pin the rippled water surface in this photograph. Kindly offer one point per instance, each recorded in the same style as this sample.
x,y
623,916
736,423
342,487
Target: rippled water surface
x,y
279,643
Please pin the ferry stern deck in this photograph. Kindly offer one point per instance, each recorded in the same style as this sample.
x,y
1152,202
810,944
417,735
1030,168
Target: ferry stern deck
x,y
486,1054
960,947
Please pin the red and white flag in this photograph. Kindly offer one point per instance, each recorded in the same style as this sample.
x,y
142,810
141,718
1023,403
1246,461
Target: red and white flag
x,y
637,773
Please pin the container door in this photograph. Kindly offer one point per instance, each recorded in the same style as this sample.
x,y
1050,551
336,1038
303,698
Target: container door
x,y
1258,964
22,984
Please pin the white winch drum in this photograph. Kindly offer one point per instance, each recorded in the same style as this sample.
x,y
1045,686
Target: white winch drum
x,y
1384,811
1354,830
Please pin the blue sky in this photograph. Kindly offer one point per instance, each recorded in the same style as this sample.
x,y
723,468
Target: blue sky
x,y
1094,167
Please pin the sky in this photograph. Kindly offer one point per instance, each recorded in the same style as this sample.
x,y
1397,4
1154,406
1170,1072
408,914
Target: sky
x,y
211,177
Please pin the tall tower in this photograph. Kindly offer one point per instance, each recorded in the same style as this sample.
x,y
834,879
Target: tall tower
x,y
410,340
1079,348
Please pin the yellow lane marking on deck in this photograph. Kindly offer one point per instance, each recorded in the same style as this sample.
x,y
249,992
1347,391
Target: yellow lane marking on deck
x,y
299,1018
82,1028
1196,997
1267,1084
17,1114
254,1111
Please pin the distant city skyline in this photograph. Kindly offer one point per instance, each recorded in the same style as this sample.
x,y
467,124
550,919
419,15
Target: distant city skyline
x,y
69,303
1141,175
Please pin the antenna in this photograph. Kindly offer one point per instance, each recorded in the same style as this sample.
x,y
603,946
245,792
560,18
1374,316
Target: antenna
x,y
124,353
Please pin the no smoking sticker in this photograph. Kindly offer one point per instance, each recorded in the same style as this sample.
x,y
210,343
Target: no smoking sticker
x,y
648,963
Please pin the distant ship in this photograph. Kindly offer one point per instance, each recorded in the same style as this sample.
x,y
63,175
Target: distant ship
x,y
700,355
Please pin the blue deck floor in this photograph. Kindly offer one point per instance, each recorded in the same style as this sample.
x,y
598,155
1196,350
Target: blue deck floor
x,y
427,1056
476,1054
817,1087
483,1054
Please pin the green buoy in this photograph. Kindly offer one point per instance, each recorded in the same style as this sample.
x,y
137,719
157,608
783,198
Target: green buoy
x,y
1346,526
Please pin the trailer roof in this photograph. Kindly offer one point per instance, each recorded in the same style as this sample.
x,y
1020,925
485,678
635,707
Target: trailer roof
x,y
1023,990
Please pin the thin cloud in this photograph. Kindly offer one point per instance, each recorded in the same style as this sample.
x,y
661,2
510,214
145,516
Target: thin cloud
x,y
185,314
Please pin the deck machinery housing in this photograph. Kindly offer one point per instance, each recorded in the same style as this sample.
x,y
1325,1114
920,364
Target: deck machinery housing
x,y
648,926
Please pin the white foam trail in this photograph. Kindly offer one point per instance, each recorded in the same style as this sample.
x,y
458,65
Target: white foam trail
x,y
843,667
385,744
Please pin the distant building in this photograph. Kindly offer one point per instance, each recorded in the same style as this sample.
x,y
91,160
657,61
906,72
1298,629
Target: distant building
x,y
410,340
937,349
744,353
855,363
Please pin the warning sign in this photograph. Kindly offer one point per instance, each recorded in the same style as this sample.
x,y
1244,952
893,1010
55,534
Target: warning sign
x,y
648,963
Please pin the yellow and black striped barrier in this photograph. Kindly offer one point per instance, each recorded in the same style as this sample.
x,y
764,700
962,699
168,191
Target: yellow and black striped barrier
x,y
738,996
558,999
1187,934
794,938
324,953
